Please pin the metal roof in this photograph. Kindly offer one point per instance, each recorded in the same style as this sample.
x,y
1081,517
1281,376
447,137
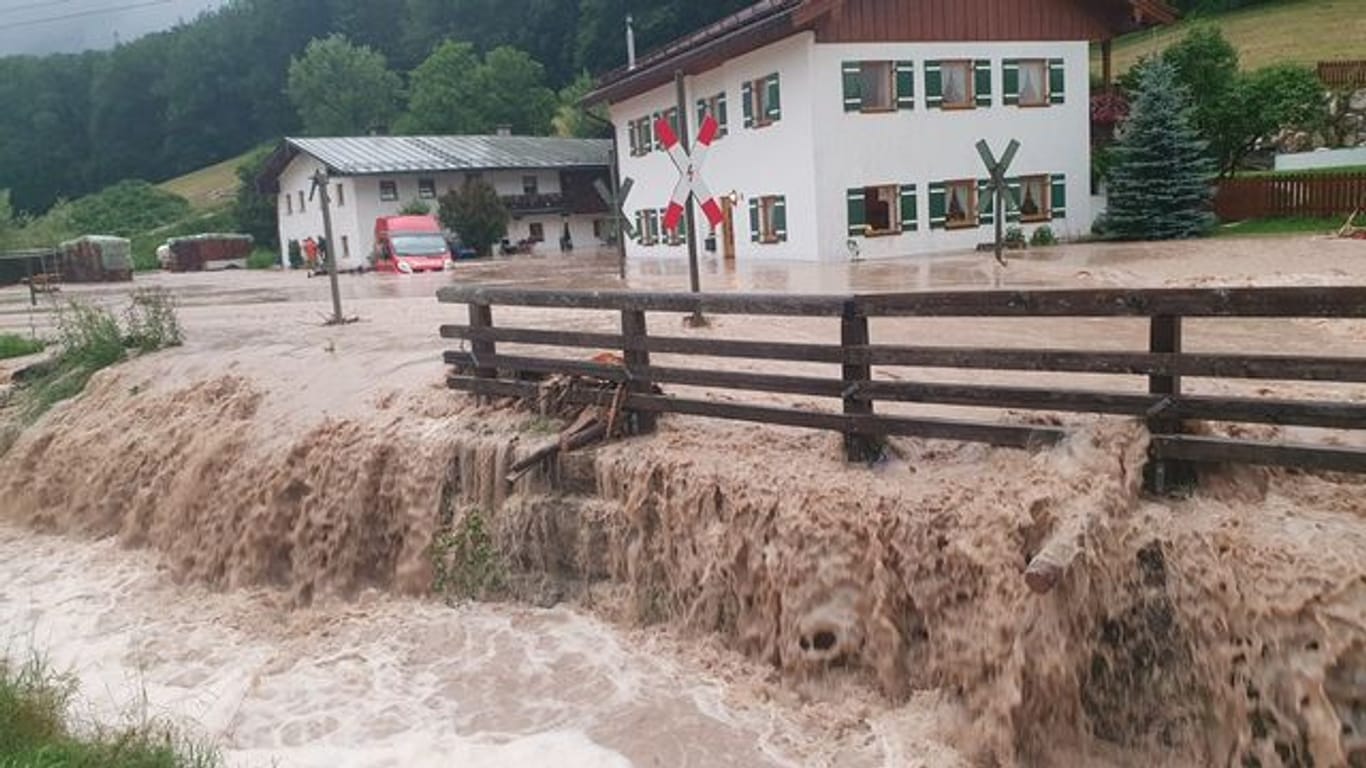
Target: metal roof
x,y
363,155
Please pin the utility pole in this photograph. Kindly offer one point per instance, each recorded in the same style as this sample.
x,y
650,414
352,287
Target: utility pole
x,y
320,183
617,198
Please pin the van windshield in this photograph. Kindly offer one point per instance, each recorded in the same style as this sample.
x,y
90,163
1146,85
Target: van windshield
x,y
419,245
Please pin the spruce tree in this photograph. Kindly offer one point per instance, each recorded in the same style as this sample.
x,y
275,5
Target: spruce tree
x,y
1160,180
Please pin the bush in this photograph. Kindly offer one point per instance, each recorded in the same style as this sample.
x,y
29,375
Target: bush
x,y
12,345
126,209
296,255
415,207
1042,237
465,562
152,321
262,259
1014,238
477,214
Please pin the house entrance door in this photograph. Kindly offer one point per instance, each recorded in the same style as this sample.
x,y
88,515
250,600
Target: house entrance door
x,y
728,229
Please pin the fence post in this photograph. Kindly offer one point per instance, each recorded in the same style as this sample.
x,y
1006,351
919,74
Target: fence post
x,y
636,355
1164,476
483,350
854,334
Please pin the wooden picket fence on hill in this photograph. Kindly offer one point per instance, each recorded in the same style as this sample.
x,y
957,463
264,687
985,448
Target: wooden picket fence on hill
x,y
1307,195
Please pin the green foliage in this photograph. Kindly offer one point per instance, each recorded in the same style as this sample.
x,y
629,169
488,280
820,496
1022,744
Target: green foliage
x,y
1286,226
340,89
454,92
255,214
1159,184
262,259
35,730
125,209
572,120
296,255
465,562
415,207
1043,237
8,225
13,345
1234,110
151,321
1014,238
477,214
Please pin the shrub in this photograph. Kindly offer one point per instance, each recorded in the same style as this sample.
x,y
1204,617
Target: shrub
x,y
415,207
477,214
152,321
465,562
296,254
1043,236
262,259
126,209
1015,238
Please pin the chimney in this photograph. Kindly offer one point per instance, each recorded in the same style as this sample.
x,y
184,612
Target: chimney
x,y
630,43
504,130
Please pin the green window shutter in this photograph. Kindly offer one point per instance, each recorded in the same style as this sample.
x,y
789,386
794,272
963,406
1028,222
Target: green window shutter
x,y
701,113
775,109
780,218
1057,81
852,72
721,114
910,212
673,119
986,204
905,84
934,85
1010,82
640,227
858,212
982,82
747,96
1059,206
655,143
939,205
1016,189
754,219
631,135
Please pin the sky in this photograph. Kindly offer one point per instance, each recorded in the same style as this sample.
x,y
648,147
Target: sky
x,y
50,26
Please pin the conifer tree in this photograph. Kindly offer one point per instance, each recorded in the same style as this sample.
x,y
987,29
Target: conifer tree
x,y
1160,180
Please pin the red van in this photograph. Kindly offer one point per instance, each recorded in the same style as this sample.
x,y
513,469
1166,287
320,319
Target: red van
x,y
409,244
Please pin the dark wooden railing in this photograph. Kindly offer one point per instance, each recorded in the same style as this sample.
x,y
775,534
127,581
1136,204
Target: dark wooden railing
x,y
485,370
1311,194
1343,74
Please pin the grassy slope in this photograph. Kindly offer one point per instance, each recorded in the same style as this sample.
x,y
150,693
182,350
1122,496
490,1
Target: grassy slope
x,y
208,189
1298,31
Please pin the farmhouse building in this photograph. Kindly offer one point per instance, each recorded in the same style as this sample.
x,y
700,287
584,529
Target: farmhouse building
x,y
848,127
546,184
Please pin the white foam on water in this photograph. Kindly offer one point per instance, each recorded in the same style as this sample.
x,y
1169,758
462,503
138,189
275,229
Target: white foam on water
x,y
377,682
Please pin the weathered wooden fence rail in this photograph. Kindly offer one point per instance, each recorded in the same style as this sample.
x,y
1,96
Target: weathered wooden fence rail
x,y
1316,195
1343,74
486,370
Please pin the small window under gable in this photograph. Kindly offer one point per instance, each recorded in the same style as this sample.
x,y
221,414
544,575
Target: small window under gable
x,y
302,209
341,195
388,190
426,189
289,204
762,101
1033,90
716,107
530,185
878,86
958,84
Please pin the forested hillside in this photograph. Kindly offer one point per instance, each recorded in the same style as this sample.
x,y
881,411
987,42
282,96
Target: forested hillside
x,y
175,101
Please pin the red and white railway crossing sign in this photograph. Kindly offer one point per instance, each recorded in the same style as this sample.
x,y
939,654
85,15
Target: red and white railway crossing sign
x,y
690,172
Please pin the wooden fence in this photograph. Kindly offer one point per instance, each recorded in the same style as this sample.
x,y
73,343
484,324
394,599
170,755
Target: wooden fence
x,y
486,370
1307,195
1343,74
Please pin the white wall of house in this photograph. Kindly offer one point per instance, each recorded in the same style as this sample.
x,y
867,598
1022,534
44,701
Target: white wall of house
x,y
818,151
359,204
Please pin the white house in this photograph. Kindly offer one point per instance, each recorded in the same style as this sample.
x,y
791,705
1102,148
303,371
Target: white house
x,y
849,126
546,183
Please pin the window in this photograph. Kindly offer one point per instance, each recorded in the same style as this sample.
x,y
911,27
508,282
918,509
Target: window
x,y
600,229
953,204
1035,198
716,107
886,209
768,219
346,247
473,176
647,226
960,84
762,100
641,135
289,204
301,201
426,189
877,85
537,230
341,196
1033,82
530,185
388,190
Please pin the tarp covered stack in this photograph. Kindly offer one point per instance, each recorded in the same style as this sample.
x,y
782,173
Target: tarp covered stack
x,y
96,259
208,252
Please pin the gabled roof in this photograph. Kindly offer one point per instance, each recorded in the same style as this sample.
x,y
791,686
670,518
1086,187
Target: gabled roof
x,y
373,155
768,21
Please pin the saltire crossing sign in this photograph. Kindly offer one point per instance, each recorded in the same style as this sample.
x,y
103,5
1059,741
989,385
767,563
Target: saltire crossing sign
x,y
689,166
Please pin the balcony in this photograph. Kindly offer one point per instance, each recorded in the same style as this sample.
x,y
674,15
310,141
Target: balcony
x,y
523,204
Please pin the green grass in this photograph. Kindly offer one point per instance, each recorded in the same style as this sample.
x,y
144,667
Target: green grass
x,y
1346,169
12,345
263,259
36,730
1291,31
209,189
1289,226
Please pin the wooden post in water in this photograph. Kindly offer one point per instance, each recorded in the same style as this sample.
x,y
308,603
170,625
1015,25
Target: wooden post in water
x,y
636,355
1164,476
320,183
483,350
854,334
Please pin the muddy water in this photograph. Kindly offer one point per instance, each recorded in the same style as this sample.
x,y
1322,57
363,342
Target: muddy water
x,y
384,682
